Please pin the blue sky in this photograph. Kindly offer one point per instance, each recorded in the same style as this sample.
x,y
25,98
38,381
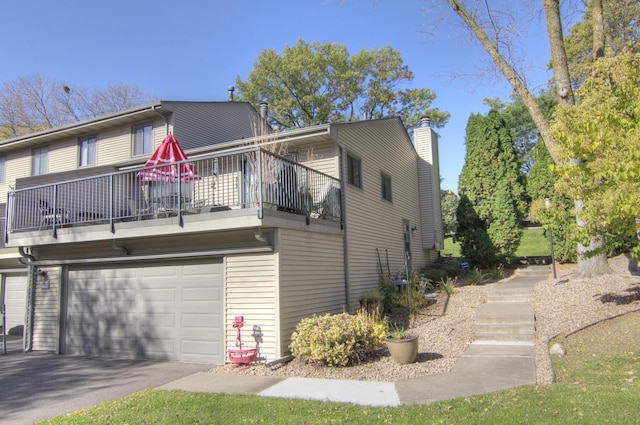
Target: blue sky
x,y
194,49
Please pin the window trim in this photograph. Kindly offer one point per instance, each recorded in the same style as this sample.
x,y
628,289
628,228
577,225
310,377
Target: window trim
x,y
352,179
384,177
95,151
133,139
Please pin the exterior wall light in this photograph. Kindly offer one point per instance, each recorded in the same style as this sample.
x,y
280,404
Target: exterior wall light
x,y
42,279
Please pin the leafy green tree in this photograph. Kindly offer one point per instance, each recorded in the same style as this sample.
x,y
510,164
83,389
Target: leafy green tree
x,y
603,128
449,204
493,189
314,83
517,118
621,28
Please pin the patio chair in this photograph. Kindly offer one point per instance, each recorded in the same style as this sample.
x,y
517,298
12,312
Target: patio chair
x,y
50,216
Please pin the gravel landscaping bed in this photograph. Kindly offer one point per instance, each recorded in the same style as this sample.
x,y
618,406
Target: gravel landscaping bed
x,y
561,306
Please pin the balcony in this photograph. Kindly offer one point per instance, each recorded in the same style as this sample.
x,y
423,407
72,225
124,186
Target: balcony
x,y
247,180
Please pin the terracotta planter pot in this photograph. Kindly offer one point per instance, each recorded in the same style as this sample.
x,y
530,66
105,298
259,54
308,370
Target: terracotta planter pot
x,y
403,351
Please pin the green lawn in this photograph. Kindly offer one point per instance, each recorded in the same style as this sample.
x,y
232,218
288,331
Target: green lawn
x,y
597,383
534,243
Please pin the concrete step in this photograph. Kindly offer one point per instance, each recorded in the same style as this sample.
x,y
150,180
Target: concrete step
x,y
531,271
508,298
518,337
505,312
505,327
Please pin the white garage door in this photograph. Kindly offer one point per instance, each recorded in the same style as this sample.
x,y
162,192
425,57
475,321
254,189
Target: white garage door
x,y
164,312
15,293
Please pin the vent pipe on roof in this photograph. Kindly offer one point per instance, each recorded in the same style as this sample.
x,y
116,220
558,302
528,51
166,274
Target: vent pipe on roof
x,y
425,121
264,108
230,90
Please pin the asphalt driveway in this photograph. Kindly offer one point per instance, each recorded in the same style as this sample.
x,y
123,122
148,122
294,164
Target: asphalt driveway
x,y
36,386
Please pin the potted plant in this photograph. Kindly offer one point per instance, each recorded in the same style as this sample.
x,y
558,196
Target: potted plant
x,y
373,303
403,345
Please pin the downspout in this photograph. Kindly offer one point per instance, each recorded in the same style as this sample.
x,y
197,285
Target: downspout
x,y
31,298
166,120
345,244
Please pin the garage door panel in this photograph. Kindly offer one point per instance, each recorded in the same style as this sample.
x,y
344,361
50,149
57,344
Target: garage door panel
x,y
159,294
158,312
15,290
201,294
168,320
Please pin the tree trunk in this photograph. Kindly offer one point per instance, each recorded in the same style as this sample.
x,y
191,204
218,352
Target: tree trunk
x,y
597,15
558,52
592,259
511,74
590,264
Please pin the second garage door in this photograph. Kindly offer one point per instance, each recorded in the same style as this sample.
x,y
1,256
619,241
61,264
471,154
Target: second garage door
x,y
14,299
165,312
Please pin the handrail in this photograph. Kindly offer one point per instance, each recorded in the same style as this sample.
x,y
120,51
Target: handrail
x,y
246,178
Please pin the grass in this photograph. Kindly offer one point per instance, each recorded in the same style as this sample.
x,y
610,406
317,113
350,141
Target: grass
x,y
534,243
597,384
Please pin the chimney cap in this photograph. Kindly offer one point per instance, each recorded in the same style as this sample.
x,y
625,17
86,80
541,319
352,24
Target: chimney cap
x,y
425,121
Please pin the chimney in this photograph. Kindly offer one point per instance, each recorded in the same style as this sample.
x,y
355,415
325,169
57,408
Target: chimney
x,y
425,121
263,110
230,90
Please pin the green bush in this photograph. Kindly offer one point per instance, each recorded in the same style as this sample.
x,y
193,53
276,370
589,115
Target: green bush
x,y
338,339
434,274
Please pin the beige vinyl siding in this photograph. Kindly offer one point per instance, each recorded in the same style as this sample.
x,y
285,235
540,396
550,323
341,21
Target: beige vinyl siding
x,y
251,293
46,316
200,124
321,157
63,156
311,277
372,222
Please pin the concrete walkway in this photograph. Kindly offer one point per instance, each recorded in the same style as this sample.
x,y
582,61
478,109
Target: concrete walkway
x,y
500,357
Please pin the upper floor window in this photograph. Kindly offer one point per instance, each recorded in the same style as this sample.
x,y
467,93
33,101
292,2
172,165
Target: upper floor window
x,y
3,169
88,151
386,187
142,140
40,161
354,171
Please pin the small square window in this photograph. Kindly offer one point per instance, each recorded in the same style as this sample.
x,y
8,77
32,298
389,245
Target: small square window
x,y
386,187
142,140
354,171
39,161
87,151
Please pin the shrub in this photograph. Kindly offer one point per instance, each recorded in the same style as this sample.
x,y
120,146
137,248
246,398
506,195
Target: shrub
x,y
475,276
434,274
448,285
338,339
496,273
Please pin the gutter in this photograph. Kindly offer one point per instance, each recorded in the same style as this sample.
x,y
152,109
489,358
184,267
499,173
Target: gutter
x,y
27,343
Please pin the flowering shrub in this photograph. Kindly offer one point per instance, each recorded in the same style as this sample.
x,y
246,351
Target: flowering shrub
x,y
338,339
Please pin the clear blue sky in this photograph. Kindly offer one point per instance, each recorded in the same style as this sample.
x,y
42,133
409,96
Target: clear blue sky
x,y
194,49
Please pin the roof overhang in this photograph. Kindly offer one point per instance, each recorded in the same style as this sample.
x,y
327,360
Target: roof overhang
x,y
94,125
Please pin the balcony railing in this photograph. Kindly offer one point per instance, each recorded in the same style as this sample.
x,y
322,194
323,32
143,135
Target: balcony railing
x,y
252,178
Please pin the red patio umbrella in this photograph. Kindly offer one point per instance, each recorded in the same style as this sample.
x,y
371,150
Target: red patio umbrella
x,y
169,152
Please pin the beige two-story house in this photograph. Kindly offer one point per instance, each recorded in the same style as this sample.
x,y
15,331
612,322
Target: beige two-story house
x,y
129,261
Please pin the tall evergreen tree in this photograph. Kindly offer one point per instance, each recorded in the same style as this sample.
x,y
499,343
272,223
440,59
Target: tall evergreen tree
x,y
492,192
